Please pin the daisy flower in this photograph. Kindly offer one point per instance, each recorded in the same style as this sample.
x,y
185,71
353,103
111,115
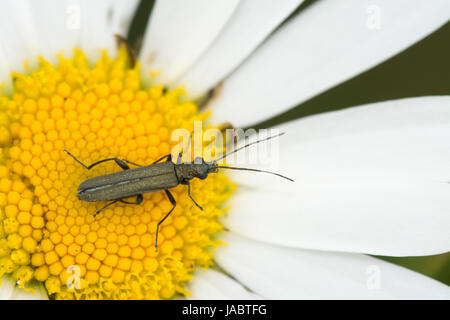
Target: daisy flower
x,y
370,180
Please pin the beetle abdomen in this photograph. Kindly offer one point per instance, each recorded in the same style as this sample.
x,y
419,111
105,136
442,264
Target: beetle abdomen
x,y
129,183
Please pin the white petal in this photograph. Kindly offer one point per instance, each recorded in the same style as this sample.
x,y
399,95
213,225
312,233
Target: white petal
x,y
55,32
100,20
7,288
48,27
373,179
385,218
29,31
5,71
18,37
40,294
212,285
326,44
284,273
250,24
400,139
178,33
9,291
122,14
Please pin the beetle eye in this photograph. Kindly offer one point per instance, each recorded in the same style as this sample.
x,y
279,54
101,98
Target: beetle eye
x,y
202,174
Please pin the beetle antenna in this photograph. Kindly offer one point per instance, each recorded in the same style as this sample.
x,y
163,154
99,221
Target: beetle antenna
x,y
256,170
247,145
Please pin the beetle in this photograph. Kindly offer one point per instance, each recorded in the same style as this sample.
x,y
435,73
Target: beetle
x,y
161,175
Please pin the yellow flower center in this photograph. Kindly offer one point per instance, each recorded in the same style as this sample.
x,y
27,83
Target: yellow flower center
x,y
50,236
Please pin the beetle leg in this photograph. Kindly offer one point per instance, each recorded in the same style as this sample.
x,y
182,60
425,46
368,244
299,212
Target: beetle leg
x,y
174,203
189,193
119,162
105,207
135,164
169,158
139,199
179,158
180,155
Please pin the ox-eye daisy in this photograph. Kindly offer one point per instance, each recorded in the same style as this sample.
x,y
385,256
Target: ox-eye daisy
x,y
369,180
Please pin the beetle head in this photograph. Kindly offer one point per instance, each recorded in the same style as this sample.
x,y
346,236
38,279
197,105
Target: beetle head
x,y
203,168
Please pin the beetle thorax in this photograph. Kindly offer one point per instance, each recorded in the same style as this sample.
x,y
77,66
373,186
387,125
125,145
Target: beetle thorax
x,y
189,171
